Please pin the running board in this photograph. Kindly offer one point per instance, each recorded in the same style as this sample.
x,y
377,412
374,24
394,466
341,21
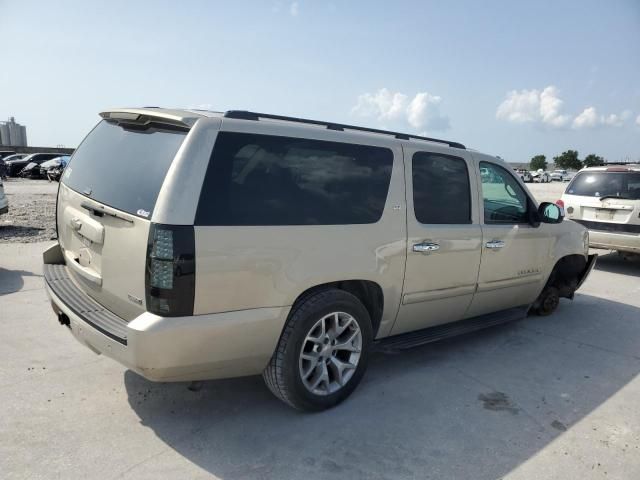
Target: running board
x,y
453,329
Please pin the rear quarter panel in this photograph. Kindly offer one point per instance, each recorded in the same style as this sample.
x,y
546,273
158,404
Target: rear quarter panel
x,y
250,267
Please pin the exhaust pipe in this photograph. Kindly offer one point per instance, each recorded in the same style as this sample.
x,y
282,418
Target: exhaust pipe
x,y
64,320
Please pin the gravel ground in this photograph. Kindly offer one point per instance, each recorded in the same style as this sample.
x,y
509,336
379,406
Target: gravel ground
x,y
32,207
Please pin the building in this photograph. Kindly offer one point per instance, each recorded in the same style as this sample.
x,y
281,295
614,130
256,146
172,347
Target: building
x,y
13,134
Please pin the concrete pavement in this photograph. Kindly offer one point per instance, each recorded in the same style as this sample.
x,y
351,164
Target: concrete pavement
x,y
553,397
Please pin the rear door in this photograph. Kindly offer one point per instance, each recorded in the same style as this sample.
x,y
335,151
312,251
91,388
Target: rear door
x,y
444,238
106,198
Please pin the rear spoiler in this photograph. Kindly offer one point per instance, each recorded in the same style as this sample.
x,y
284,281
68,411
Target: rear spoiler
x,y
142,116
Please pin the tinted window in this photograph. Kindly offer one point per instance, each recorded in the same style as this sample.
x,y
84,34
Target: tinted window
x,y
504,199
269,180
600,184
441,193
123,167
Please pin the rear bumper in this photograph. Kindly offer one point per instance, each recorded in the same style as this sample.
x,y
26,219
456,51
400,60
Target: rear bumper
x,y
200,347
614,241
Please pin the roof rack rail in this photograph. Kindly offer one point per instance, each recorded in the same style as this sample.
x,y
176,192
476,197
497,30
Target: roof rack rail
x,y
604,164
245,115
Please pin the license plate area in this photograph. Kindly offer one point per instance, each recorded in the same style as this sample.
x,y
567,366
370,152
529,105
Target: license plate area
x,y
604,214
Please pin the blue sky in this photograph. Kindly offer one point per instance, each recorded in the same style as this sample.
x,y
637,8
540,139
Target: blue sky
x,y
508,78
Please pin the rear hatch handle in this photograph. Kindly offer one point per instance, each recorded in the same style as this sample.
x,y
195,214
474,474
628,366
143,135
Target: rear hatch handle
x,y
100,210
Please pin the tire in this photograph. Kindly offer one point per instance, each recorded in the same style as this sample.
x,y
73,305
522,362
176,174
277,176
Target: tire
x,y
310,316
547,302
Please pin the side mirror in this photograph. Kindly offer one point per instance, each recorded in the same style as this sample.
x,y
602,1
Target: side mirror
x,y
550,213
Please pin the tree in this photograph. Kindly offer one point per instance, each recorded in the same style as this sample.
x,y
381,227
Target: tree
x,y
592,160
538,162
568,160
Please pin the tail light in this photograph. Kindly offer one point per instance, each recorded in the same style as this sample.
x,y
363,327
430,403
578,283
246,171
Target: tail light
x,y
560,204
170,279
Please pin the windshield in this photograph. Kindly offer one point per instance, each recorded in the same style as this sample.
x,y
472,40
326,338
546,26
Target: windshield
x,y
606,184
123,166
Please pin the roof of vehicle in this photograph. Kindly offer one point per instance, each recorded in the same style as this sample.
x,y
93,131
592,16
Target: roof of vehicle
x,y
614,167
43,153
188,117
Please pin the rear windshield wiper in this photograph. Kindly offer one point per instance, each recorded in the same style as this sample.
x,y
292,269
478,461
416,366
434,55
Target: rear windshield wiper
x,y
615,196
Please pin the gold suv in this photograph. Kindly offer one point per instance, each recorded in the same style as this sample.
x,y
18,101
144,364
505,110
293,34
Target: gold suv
x,y
197,245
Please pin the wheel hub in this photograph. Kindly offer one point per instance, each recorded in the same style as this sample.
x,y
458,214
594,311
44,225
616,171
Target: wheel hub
x,y
330,353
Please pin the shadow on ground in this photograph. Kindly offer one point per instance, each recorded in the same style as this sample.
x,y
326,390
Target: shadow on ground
x,y
472,407
10,231
612,262
13,280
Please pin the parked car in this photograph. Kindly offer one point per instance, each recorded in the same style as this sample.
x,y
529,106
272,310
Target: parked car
x,y
606,200
4,201
6,155
525,176
541,176
198,245
560,176
52,169
15,156
14,167
32,170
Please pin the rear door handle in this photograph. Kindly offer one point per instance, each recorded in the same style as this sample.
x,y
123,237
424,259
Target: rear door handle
x,y
426,247
494,244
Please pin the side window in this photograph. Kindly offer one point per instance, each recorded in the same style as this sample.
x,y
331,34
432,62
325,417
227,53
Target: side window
x,y
441,192
504,199
272,180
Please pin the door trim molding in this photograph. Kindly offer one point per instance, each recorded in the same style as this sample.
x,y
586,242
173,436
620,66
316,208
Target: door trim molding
x,y
418,297
510,282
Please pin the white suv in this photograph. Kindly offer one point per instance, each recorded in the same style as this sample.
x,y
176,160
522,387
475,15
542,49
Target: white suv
x,y
606,200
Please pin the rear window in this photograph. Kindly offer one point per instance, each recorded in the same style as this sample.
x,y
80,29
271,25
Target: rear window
x,y
123,166
272,180
606,184
441,191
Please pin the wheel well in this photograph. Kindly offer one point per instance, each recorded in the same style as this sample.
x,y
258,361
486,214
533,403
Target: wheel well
x,y
566,274
368,292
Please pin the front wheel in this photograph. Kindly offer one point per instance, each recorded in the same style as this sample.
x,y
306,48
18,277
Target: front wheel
x,y
322,353
547,301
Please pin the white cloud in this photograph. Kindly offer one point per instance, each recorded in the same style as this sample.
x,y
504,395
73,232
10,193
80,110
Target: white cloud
x,y
587,119
613,120
545,107
420,112
533,106
294,9
550,106
638,120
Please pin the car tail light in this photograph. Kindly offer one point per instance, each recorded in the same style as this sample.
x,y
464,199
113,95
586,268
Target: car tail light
x,y
170,273
560,203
